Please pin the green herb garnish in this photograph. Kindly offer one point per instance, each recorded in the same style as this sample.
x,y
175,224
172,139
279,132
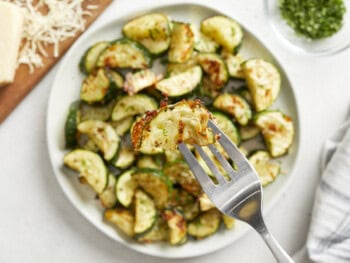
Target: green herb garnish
x,y
314,19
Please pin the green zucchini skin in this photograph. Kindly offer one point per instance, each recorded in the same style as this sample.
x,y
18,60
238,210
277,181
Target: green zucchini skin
x,y
71,124
88,61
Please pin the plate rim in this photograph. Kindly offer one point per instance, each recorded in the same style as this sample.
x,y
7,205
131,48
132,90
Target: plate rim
x,y
133,13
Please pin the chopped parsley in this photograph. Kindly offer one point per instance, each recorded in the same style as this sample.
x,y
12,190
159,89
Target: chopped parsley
x,y
314,19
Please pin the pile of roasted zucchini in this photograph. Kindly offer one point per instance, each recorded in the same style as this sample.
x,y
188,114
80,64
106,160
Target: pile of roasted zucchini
x,y
151,195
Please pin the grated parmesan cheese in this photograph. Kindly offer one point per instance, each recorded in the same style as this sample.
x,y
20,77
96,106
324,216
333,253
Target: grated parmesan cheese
x,y
64,18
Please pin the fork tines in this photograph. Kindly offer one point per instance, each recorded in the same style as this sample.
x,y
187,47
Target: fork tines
x,y
232,151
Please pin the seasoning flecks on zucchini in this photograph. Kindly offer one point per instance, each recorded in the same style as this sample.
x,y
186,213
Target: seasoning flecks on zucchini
x,y
181,83
90,167
234,105
277,130
97,87
145,212
182,42
133,105
185,121
125,188
125,53
213,65
177,226
140,80
264,82
225,31
88,61
152,31
122,218
103,135
227,126
266,170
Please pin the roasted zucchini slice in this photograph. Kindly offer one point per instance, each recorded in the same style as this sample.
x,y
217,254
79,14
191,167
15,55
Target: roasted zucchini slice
x,y
103,135
213,65
88,61
182,83
249,131
122,218
145,212
125,53
234,105
73,118
96,112
205,203
184,202
90,167
149,162
182,42
185,121
227,126
154,183
159,232
225,31
116,78
205,224
203,43
125,158
125,188
135,82
234,65
277,130
152,31
107,197
122,126
229,222
177,226
267,170
179,173
264,82
133,105
96,87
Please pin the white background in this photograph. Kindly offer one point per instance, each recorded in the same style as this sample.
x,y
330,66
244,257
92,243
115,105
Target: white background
x,y
38,223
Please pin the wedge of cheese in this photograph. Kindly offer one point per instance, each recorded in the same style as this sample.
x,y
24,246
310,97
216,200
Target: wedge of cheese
x,y
11,26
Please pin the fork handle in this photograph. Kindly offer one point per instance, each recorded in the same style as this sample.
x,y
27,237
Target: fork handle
x,y
279,253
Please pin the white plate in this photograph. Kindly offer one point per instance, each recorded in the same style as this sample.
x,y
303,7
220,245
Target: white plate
x,y
66,89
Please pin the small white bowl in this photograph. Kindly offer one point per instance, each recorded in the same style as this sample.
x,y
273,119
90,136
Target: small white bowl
x,y
331,45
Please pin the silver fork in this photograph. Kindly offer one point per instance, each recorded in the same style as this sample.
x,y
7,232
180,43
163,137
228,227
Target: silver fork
x,y
239,197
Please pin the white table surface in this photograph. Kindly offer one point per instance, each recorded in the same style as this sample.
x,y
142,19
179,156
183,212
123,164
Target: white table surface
x,y
38,223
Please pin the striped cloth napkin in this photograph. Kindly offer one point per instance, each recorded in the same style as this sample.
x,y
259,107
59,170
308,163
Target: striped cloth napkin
x,y
329,234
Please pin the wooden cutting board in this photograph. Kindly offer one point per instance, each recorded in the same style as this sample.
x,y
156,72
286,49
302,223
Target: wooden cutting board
x,y
12,95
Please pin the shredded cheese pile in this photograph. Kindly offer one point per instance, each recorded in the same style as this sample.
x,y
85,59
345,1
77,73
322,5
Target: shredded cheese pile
x,y
64,18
